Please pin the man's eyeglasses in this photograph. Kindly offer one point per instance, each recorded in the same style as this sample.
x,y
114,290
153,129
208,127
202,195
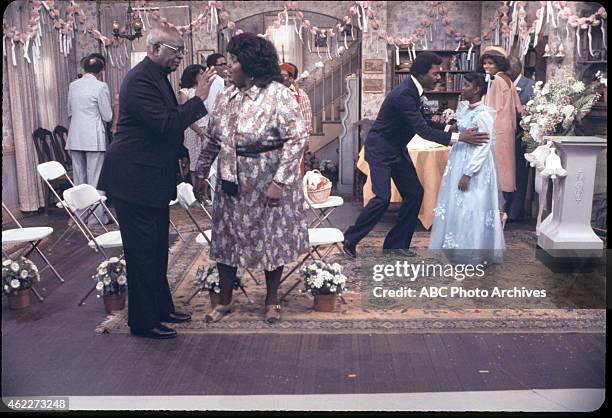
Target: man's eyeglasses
x,y
179,50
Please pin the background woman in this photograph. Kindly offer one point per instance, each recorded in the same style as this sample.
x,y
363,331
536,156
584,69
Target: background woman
x,y
502,97
258,132
467,224
194,135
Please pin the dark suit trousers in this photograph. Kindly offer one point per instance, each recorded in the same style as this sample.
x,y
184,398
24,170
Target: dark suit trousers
x,y
405,177
144,231
515,202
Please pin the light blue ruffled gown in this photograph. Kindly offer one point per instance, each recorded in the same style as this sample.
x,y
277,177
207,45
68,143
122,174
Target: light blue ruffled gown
x,y
467,225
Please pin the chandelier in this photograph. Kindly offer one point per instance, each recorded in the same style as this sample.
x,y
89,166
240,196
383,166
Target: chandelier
x,y
133,26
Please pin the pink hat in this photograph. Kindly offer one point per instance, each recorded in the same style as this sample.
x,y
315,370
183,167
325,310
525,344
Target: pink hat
x,y
495,50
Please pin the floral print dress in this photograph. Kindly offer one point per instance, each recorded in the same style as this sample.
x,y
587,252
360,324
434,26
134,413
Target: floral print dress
x,y
468,223
246,232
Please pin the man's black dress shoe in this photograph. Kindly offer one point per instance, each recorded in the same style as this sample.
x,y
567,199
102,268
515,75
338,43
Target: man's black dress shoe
x,y
176,317
349,249
402,252
157,333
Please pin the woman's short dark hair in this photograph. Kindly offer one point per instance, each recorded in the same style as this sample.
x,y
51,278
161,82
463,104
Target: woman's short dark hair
x,y
423,63
478,80
188,78
212,59
93,63
501,63
257,57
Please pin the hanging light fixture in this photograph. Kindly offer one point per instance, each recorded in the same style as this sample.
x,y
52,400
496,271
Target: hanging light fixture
x,y
133,26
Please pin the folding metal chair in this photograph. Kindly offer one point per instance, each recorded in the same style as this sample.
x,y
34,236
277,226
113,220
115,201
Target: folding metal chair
x,y
33,236
323,210
317,237
172,203
187,198
80,198
54,170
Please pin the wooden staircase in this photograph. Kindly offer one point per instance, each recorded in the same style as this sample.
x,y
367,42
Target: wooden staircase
x,y
326,90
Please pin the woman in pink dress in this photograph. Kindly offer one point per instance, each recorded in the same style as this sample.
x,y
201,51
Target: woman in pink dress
x,y
502,97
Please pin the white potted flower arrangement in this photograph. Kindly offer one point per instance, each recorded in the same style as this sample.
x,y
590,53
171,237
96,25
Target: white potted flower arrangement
x,y
324,281
558,107
17,278
112,283
207,280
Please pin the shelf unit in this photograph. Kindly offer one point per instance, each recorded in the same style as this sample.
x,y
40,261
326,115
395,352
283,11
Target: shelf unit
x,y
445,98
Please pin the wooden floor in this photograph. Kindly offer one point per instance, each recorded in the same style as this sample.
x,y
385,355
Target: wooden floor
x,y
51,349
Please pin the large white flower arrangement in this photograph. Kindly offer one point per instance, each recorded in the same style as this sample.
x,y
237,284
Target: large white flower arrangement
x,y
557,107
322,278
111,277
207,279
18,274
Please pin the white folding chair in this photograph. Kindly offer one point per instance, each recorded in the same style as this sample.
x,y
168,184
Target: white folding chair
x,y
172,203
323,210
84,196
32,236
187,198
53,170
317,237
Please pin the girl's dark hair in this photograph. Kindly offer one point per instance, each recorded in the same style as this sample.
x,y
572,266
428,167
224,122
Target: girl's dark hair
x,y
257,57
501,63
478,80
188,78
423,63
93,63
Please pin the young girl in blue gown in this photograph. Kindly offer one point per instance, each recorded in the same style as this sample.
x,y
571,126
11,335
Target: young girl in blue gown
x,y
467,225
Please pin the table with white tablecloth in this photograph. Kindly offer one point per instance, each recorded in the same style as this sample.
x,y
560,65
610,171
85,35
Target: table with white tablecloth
x,y
429,159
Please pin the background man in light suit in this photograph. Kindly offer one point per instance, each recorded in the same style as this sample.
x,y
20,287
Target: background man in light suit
x,y
524,88
89,107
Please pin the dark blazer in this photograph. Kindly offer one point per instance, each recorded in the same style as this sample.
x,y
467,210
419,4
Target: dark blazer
x,y
400,117
526,89
141,163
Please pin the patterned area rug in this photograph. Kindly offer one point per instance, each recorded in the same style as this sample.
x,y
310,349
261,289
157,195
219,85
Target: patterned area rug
x,y
357,315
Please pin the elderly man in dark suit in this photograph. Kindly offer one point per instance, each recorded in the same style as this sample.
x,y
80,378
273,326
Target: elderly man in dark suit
x,y
399,119
139,174
524,88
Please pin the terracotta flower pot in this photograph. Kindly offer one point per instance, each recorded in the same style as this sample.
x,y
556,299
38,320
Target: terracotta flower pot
x,y
214,299
19,299
325,303
114,302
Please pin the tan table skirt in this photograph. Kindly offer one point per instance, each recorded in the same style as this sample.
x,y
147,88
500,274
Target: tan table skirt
x,y
430,165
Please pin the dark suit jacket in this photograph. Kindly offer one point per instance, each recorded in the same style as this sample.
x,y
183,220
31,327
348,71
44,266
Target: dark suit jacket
x,y
526,89
141,163
399,119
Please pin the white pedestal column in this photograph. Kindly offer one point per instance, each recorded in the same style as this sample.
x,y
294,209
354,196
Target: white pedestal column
x,y
348,138
567,232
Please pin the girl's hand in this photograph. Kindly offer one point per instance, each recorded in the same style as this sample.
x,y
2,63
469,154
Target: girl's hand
x,y
464,183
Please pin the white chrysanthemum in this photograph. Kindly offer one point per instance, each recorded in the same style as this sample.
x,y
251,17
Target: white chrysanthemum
x,y
578,87
539,83
113,259
15,284
527,119
568,110
102,271
552,109
15,267
34,268
122,280
24,274
99,286
103,265
106,280
7,262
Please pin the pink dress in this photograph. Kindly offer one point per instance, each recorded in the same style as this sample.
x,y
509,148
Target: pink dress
x,y
505,100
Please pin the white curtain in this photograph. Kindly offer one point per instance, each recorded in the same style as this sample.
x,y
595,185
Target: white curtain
x,y
288,45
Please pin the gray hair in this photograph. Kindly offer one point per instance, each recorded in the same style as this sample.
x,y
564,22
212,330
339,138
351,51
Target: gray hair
x,y
161,34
